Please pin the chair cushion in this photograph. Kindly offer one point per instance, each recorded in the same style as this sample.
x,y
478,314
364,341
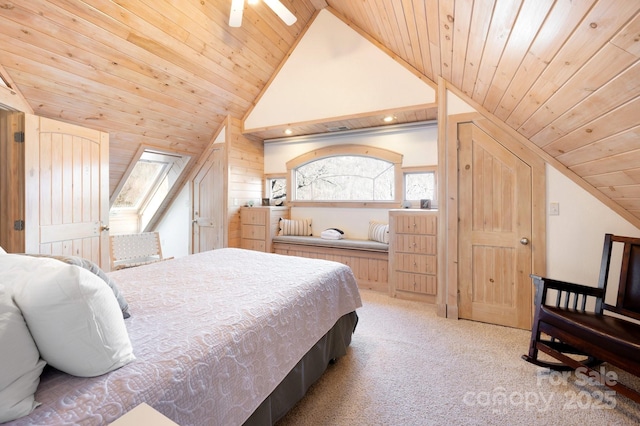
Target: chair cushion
x,y
348,244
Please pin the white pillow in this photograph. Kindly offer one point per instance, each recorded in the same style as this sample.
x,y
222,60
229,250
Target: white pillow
x,y
73,317
379,232
94,269
20,361
2,251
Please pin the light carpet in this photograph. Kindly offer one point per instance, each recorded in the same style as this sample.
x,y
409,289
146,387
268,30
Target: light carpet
x,y
407,366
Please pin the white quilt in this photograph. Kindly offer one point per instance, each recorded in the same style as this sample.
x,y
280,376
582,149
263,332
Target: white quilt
x,y
213,334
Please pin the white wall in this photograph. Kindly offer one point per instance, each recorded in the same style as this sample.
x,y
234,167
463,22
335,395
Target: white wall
x,y
417,143
175,227
575,236
455,105
333,67
353,221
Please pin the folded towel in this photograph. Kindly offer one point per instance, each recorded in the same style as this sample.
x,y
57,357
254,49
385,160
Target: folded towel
x,y
331,234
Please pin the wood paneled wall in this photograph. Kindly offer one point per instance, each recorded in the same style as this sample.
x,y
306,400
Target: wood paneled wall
x,y
246,172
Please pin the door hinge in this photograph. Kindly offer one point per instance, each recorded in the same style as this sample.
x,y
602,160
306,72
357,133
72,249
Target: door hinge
x,y
18,225
18,137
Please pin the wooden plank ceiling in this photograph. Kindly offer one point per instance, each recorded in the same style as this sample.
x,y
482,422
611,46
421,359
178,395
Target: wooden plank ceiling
x,y
564,74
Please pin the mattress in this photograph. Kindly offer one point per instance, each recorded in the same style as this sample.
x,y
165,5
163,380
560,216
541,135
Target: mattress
x,y
213,333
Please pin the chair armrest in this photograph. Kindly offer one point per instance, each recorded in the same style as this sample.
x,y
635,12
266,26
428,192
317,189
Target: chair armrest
x,y
543,284
569,295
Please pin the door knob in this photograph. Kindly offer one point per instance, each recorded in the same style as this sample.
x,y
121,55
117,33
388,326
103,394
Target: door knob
x,y
524,241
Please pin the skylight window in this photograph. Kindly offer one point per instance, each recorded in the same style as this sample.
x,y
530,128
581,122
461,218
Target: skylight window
x,y
138,186
147,186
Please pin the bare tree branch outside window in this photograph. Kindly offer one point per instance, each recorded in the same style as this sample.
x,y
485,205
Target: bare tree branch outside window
x,y
345,178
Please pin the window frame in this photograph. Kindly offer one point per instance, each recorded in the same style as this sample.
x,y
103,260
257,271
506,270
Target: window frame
x,y
267,185
347,150
421,169
177,166
146,197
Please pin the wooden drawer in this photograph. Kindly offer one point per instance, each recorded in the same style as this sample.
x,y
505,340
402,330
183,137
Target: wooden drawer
x,y
258,245
409,243
416,283
255,232
413,260
253,217
416,224
258,226
416,263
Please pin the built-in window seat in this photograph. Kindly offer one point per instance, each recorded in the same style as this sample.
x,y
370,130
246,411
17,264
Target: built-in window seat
x,y
369,260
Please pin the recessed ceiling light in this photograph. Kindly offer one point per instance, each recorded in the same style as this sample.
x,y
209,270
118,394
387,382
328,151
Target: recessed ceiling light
x,y
388,119
288,131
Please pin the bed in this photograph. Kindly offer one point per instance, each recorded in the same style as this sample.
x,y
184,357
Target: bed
x,y
225,337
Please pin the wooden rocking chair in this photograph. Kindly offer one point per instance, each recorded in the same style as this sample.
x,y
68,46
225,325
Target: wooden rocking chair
x,y
582,330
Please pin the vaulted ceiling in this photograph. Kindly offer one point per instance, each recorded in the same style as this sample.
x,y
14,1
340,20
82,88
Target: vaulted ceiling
x,y
564,74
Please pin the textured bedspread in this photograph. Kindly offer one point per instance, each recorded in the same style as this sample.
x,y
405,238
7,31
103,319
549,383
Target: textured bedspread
x,y
213,333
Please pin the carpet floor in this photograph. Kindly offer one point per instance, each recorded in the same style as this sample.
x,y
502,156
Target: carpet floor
x,y
407,366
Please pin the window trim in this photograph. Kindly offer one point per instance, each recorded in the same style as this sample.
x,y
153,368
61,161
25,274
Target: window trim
x,y
422,169
149,150
353,150
149,194
270,176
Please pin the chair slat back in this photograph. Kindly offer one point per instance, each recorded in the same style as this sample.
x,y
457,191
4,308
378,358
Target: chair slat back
x,y
628,297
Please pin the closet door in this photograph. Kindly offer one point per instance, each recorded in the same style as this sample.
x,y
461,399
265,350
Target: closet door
x,y
208,203
495,228
66,190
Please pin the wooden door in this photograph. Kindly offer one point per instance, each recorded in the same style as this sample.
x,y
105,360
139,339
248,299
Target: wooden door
x,y
208,203
12,181
495,211
66,190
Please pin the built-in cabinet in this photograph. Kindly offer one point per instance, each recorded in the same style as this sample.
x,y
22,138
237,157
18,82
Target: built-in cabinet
x,y
259,225
413,254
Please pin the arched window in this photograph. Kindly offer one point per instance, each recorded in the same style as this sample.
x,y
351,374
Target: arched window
x,y
345,174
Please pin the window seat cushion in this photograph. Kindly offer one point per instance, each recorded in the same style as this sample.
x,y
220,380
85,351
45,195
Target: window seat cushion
x,y
347,244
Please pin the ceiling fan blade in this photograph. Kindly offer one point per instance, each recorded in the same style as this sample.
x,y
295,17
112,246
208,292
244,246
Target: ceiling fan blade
x,y
235,16
281,10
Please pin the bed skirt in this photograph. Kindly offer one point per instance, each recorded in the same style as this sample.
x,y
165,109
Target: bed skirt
x,y
306,372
